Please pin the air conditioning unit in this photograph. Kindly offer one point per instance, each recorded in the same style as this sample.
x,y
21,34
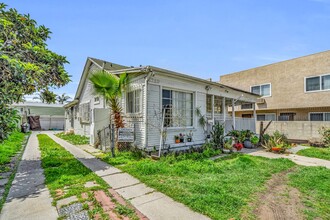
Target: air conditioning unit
x,y
260,101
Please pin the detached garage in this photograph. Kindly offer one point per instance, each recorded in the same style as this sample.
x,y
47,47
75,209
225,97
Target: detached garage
x,y
42,116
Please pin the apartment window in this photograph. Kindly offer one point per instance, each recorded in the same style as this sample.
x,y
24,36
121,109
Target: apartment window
x,y
266,117
317,83
263,90
246,106
247,116
85,112
178,108
134,101
287,116
217,104
319,116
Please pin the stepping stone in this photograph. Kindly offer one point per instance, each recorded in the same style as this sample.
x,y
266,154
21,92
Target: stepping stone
x,y
71,209
66,201
2,190
5,174
3,181
134,191
91,184
83,215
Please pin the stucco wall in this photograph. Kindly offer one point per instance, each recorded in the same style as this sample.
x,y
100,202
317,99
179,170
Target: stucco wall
x,y
287,80
299,130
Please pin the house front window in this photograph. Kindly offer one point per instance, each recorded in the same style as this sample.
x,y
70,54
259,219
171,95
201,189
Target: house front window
x,y
134,101
178,108
317,83
85,112
319,116
262,90
217,104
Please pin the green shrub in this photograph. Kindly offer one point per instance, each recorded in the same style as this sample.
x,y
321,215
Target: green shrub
x,y
325,133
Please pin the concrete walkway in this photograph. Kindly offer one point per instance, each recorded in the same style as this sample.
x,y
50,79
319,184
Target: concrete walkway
x,y
154,205
300,160
28,197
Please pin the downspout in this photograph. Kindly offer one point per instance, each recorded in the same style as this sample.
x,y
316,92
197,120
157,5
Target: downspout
x,y
151,73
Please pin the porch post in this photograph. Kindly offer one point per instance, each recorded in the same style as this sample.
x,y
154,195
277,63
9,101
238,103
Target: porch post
x,y
255,117
233,112
213,109
224,113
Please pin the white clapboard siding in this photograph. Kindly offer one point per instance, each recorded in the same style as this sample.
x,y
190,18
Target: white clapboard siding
x,y
154,109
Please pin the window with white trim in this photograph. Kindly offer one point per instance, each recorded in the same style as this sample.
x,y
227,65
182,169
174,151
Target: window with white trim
x,y
317,83
133,101
266,117
319,116
217,104
263,90
178,108
85,111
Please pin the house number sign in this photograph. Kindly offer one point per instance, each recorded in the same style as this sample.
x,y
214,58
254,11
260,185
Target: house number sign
x,y
125,134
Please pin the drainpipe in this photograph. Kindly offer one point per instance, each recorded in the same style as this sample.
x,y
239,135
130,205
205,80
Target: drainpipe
x,y
151,73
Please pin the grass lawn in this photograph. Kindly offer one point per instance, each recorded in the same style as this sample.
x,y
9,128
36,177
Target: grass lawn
x,y
219,189
10,147
321,153
313,183
66,176
74,138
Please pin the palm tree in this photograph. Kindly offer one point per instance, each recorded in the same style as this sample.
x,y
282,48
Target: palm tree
x,y
63,98
46,96
111,87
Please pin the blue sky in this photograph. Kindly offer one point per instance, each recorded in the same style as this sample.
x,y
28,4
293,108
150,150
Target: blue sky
x,y
200,38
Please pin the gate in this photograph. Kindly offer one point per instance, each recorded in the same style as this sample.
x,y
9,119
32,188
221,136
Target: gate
x,y
106,138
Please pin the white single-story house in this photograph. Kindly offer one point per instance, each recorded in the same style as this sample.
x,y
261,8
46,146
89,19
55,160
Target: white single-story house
x,y
153,91
51,115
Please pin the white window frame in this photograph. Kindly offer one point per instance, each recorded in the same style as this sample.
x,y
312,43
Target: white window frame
x,y
134,102
309,115
97,102
266,114
270,89
193,106
320,80
81,114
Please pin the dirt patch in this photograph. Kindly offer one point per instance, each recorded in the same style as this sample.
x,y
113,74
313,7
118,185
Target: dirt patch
x,y
279,201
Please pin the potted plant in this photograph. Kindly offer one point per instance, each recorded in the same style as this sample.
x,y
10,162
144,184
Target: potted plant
x,y
189,136
181,138
254,140
177,139
246,135
228,146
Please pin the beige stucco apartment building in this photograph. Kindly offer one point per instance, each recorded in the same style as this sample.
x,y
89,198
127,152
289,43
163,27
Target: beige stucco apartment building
x,y
292,90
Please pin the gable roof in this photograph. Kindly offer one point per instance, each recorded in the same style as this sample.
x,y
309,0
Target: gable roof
x,y
117,69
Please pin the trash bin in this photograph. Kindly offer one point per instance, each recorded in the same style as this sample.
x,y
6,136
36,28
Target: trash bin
x,y
25,127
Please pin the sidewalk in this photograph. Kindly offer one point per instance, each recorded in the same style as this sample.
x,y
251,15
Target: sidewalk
x,y
300,160
154,205
28,197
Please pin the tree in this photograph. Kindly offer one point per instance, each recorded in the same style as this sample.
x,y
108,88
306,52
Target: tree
x,y
46,96
111,87
63,98
26,64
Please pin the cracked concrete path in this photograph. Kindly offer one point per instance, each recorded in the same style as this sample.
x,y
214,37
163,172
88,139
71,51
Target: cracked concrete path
x,y
28,197
154,205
